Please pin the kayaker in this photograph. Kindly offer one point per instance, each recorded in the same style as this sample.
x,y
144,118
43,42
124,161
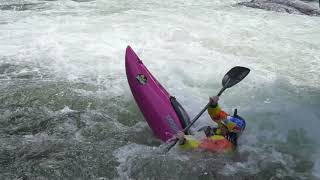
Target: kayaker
x,y
219,139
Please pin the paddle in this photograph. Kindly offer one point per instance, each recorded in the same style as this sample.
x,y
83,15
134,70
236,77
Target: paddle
x,y
233,76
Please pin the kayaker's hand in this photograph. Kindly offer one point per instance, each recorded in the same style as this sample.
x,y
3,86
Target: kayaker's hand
x,y
180,137
213,100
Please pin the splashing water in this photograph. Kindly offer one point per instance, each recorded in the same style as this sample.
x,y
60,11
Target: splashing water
x,y
68,113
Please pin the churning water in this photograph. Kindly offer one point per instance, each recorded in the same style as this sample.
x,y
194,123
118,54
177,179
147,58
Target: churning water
x,y
66,110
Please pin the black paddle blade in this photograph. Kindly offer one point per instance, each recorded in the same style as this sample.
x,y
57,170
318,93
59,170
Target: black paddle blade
x,y
235,75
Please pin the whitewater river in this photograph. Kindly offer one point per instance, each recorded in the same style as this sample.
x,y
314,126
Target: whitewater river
x,y
66,110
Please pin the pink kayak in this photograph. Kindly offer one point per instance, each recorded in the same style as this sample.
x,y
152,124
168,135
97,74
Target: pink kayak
x,y
162,111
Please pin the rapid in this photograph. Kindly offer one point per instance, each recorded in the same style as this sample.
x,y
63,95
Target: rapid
x,y
66,110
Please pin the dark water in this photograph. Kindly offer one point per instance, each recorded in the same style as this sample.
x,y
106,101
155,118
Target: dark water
x,y
66,111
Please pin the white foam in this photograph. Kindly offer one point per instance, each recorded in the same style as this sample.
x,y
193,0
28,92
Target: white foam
x,y
40,137
316,168
187,44
123,155
127,154
66,109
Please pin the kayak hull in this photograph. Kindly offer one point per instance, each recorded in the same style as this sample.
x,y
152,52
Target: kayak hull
x,y
153,100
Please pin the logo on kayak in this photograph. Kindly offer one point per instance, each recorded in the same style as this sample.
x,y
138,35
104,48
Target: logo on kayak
x,y
142,79
172,124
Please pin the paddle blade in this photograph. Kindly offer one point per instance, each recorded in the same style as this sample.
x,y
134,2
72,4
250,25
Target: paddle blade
x,y
235,75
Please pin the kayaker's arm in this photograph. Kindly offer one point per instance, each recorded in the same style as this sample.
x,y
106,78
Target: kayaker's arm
x,y
214,110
